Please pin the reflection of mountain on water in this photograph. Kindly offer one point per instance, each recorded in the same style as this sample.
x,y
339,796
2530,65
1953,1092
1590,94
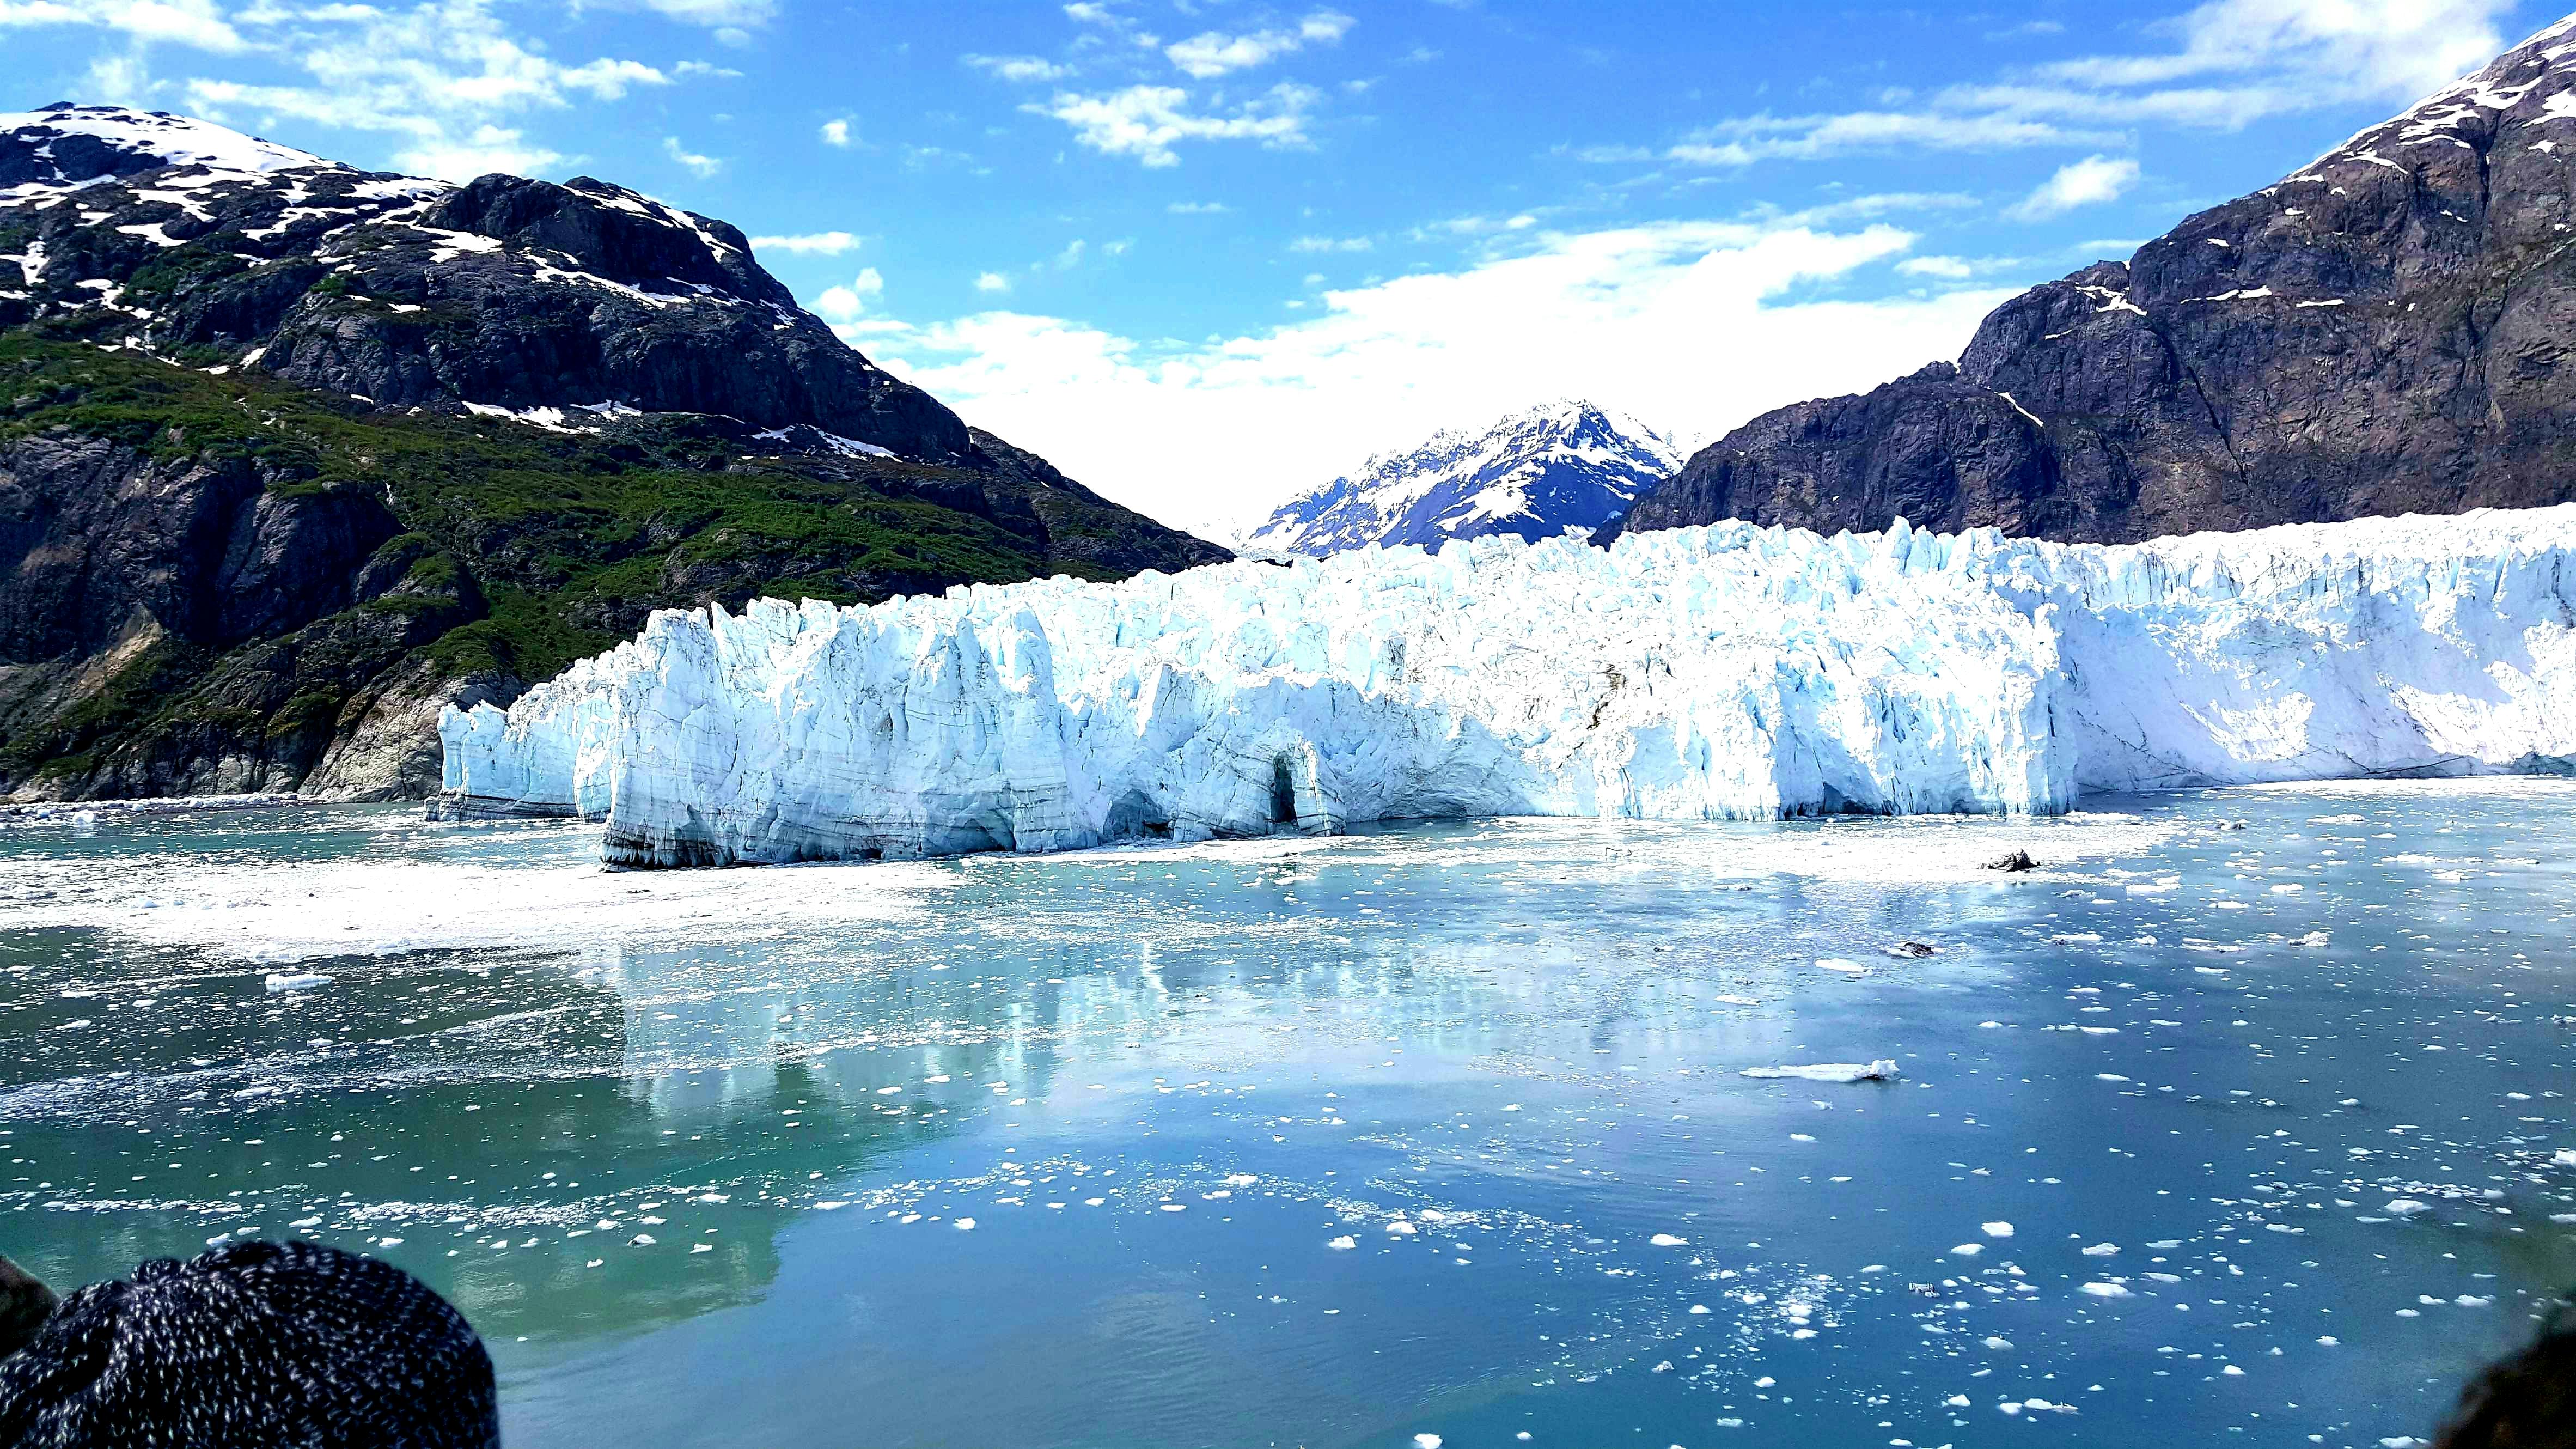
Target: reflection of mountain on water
x,y
502,1131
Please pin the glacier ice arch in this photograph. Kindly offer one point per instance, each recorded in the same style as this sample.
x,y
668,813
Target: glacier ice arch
x,y
1714,673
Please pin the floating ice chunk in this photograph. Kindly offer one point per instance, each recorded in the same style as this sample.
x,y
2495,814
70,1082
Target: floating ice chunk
x,y
1667,1240
2101,1250
1841,966
965,1225
2406,1207
1401,1228
1998,1344
1998,1230
1882,1070
1426,1441
1968,1250
2105,1290
297,981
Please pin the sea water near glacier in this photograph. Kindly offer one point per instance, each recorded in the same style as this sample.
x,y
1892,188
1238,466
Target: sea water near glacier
x,y
1435,1131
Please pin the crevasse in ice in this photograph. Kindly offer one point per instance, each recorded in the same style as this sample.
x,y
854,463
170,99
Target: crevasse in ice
x,y
1722,672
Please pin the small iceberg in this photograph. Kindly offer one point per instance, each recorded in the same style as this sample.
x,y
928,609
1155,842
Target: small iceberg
x,y
1882,1070
295,981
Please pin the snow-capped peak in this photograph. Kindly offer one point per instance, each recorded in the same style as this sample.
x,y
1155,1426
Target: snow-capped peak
x,y
84,143
1535,473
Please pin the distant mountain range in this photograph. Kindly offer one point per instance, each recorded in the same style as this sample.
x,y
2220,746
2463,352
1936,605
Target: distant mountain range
x,y
2391,330
1561,465
294,454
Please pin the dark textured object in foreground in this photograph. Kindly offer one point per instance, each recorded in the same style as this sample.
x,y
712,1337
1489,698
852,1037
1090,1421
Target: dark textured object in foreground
x,y
2386,332
25,1304
2527,1401
253,1346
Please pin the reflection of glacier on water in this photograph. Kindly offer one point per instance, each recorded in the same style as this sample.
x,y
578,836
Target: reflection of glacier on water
x,y
1726,672
1341,1140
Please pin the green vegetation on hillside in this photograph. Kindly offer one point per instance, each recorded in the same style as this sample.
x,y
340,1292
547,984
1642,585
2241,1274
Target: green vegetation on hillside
x,y
526,548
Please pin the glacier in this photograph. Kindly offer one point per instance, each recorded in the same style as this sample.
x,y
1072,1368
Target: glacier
x,y
1722,672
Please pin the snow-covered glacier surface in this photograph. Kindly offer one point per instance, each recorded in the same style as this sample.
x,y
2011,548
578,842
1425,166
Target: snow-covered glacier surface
x,y
1723,672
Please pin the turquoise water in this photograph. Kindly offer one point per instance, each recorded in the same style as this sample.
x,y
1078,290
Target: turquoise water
x,y
1435,1131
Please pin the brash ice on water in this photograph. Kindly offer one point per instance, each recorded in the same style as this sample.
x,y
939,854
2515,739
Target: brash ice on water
x,y
1721,672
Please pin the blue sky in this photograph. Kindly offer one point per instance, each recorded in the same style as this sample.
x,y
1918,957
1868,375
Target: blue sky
x,y
1204,253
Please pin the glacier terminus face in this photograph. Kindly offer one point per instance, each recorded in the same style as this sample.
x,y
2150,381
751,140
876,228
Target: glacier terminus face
x,y
1719,672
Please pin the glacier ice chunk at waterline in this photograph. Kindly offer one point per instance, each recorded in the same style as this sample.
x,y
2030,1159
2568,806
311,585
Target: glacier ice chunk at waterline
x,y
1718,672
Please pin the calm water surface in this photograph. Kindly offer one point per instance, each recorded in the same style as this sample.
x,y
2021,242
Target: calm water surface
x,y
1437,1131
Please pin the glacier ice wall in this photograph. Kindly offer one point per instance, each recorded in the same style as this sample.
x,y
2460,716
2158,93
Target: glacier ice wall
x,y
1721,672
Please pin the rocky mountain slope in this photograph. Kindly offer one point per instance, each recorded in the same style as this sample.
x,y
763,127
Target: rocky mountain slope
x,y
2391,330
1533,474
292,455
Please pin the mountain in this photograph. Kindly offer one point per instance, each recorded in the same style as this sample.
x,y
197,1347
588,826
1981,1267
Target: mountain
x,y
1534,474
293,454
2391,330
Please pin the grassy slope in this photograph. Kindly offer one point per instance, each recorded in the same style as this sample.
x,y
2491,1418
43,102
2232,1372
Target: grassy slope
x,y
568,541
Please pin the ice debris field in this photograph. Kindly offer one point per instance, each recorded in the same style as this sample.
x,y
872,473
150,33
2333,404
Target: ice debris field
x,y
2242,1121
1725,672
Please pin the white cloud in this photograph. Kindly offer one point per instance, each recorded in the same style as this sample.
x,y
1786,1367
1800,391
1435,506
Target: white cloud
x,y
2088,182
836,133
1213,53
697,164
1694,326
1198,208
481,151
1947,268
715,14
2387,48
2232,62
992,282
195,23
1743,140
1018,67
846,304
813,244
1331,244
444,76
1146,121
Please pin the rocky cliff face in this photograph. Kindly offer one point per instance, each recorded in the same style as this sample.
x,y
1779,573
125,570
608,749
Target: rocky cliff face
x,y
2388,331
292,455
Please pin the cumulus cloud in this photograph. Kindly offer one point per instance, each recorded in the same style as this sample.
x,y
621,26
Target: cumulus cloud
x,y
1147,121
2088,182
812,244
1213,53
846,304
1018,67
197,24
836,133
992,282
1693,326
697,165
445,77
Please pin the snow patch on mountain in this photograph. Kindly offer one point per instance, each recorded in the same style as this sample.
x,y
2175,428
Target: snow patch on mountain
x,y
1719,672
75,145
1565,464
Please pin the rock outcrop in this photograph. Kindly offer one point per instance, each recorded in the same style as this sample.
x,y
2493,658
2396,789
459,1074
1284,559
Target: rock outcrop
x,y
294,456
2388,331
